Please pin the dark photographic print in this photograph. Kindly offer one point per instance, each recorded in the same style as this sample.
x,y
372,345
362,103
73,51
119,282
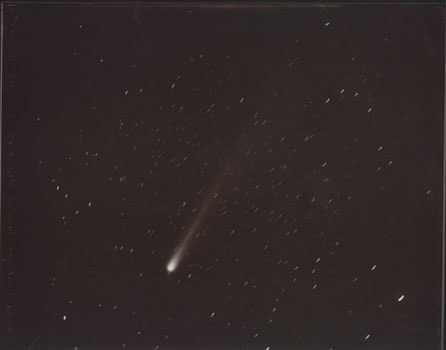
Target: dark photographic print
x,y
222,176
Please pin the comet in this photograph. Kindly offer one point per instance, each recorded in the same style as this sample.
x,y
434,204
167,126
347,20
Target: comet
x,y
185,242
180,251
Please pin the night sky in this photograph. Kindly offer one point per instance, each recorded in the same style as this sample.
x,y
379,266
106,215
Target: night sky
x,y
226,177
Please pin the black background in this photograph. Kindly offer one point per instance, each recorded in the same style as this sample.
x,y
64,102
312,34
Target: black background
x,y
316,130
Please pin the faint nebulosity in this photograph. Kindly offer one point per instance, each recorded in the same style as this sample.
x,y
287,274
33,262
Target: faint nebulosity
x,y
262,177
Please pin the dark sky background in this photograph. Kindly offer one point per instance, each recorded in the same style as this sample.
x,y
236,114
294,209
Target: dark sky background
x,y
312,135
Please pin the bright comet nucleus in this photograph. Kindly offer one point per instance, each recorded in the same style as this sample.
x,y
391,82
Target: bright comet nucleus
x,y
172,265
